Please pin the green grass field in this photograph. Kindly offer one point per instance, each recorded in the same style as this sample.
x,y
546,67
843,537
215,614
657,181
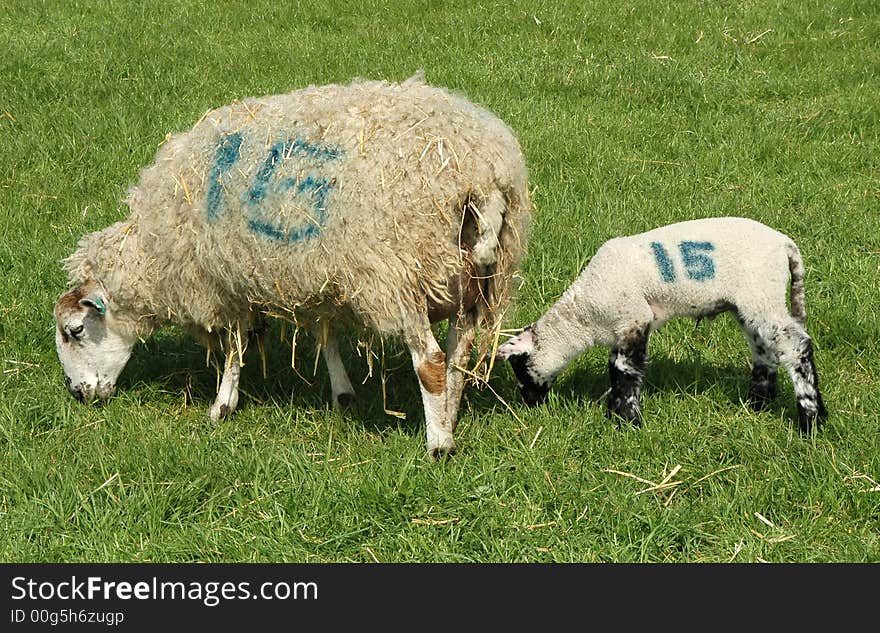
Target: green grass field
x,y
631,115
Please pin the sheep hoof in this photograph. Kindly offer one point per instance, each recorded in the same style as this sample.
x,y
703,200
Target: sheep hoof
x,y
218,412
446,448
439,453
344,400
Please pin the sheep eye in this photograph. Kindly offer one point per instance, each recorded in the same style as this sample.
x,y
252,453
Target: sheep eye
x,y
75,331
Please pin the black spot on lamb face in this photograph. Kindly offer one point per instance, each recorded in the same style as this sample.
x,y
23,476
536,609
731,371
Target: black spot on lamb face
x,y
532,391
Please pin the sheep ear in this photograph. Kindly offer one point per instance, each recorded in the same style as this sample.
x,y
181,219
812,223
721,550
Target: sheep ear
x,y
522,343
96,301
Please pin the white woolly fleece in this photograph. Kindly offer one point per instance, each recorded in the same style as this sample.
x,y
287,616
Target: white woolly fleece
x,y
330,200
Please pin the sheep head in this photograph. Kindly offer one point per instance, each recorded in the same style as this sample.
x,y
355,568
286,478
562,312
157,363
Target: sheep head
x,y
93,345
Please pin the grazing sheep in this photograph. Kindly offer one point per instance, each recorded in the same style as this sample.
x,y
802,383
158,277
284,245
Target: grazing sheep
x,y
698,268
376,204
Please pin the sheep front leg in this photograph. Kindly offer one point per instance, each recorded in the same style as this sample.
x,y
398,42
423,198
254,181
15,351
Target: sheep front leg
x,y
626,367
458,349
430,367
227,395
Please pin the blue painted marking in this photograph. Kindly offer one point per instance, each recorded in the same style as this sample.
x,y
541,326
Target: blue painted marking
x,y
224,158
269,230
699,267
290,234
664,264
318,188
312,150
313,187
261,180
285,149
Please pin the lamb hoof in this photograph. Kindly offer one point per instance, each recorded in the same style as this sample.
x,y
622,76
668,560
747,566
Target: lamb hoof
x,y
625,414
810,419
344,400
760,400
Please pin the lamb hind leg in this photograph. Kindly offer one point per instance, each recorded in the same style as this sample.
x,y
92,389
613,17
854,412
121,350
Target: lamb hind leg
x,y
765,363
797,357
626,368
430,367
786,340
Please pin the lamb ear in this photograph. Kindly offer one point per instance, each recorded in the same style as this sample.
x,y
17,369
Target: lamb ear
x,y
95,301
522,343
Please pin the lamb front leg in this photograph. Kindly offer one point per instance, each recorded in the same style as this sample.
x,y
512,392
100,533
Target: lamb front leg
x,y
626,367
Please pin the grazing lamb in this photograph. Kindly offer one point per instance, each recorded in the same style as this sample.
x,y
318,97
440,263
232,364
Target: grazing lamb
x,y
376,204
698,268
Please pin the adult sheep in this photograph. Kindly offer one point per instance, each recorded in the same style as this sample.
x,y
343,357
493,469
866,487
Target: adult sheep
x,y
385,205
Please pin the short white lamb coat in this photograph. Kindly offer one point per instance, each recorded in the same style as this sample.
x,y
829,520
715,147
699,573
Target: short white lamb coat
x,y
749,266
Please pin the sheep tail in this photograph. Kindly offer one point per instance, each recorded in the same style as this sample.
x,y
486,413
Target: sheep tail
x,y
796,268
503,225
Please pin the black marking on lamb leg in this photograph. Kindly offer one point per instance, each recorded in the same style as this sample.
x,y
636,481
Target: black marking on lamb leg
x,y
534,392
810,406
763,383
623,402
78,393
626,368
765,363
762,389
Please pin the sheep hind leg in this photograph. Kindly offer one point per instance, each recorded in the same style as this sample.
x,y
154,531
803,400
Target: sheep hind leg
x,y
626,368
340,386
458,349
429,363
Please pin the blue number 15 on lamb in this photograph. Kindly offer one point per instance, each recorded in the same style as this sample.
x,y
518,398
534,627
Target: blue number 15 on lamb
x,y
697,265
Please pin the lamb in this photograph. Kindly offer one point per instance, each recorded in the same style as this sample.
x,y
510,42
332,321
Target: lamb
x,y
385,206
698,268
